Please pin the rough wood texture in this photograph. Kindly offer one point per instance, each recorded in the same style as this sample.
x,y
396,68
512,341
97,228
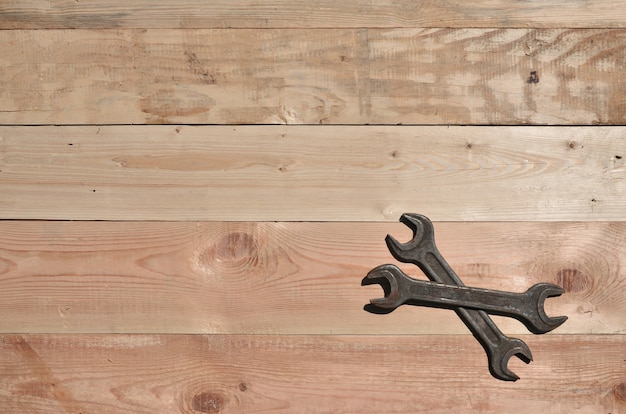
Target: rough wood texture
x,y
312,173
38,14
288,278
304,374
331,76
281,301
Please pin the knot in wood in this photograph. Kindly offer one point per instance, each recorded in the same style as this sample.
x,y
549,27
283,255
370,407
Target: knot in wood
x,y
235,252
208,402
572,280
235,247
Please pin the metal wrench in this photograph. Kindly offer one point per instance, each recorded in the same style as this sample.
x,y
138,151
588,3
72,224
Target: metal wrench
x,y
422,251
527,307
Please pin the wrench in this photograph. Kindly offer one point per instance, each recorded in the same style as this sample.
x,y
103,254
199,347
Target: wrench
x,y
527,307
422,251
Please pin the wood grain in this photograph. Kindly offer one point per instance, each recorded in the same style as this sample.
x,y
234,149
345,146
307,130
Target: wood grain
x,y
45,14
282,173
288,278
304,374
324,76
229,279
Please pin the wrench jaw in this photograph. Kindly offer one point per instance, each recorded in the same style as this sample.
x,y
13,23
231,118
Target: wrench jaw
x,y
539,322
423,232
388,277
498,363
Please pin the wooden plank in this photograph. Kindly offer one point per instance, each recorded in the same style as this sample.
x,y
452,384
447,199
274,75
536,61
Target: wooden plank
x,y
284,173
288,278
45,14
321,374
472,76
330,76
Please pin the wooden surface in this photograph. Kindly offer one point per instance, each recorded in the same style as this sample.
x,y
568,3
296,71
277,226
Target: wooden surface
x,y
37,14
258,173
304,374
289,278
212,262
324,76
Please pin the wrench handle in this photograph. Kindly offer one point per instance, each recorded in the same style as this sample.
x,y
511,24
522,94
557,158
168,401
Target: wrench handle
x,y
491,301
437,269
499,347
527,307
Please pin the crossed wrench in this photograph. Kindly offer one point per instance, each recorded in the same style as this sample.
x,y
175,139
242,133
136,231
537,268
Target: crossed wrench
x,y
471,304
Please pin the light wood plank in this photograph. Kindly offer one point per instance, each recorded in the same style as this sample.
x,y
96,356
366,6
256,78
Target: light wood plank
x,y
321,374
288,278
483,76
330,76
312,173
45,14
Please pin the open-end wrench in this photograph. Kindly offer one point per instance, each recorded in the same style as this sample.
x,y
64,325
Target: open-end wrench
x,y
422,251
527,307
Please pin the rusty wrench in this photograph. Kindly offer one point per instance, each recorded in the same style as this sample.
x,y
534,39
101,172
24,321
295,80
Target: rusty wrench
x,y
422,251
527,307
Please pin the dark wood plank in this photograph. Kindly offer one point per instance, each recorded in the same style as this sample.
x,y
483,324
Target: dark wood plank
x,y
288,278
321,374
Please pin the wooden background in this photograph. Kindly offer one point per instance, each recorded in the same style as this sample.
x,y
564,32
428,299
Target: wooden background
x,y
192,192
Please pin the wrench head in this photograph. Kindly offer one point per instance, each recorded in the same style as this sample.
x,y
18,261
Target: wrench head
x,y
498,362
423,233
538,321
389,277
